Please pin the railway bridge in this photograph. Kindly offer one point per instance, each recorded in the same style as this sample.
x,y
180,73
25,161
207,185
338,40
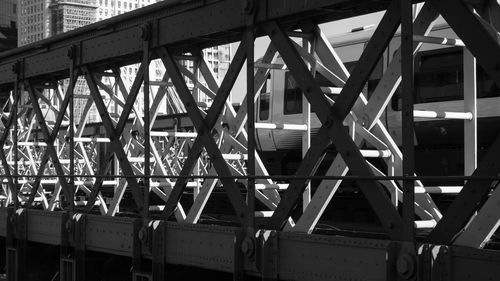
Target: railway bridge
x,y
142,196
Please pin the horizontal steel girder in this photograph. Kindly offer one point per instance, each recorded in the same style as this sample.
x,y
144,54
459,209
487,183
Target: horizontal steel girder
x,y
299,256
171,24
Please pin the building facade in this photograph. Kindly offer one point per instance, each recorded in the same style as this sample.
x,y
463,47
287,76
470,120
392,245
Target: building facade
x,y
8,13
8,24
33,21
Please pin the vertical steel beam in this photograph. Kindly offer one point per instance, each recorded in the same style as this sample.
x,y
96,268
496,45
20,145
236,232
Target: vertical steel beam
x,y
3,139
470,105
146,116
332,128
269,256
79,222
306,118
238,258
17,71
140,238
250,37
71,129
482,42
48,136
159,245
66,262
205,125
16,244
407,73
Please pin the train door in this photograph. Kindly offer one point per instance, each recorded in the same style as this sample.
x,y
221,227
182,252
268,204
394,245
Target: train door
x,y
264,114
287,109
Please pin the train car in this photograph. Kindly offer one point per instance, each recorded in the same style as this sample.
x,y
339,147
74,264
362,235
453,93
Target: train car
x,y
439,87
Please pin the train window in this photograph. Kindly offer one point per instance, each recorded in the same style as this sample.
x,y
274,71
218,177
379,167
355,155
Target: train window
x,y
293,96
264,106
264,99
439,76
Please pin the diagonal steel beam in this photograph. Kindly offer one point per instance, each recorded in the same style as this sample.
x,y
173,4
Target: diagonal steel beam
x,y
484,46
53,135
3,138
369,113
129,105
116,145
332,121
269,197
204,127
49,137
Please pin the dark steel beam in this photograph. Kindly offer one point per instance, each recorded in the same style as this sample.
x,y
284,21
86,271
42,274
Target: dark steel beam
x,y
332,127
407,83
204,127
55,130
209,122
104,41
116,145
481,40
48,136
301,256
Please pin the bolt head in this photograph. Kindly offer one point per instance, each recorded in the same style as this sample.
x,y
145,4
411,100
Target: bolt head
x,y
143,236
145,32
247,6
247,247
402,266
71,52
15,68
68,226
405,266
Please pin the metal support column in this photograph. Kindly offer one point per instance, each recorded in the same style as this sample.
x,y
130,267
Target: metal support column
x,y
145,35
406,262
470,105
407,72
158,251
269,255
16,244
71,129
67,263
17,93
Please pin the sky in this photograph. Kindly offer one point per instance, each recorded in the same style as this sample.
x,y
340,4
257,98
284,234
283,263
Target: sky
x,y
330,29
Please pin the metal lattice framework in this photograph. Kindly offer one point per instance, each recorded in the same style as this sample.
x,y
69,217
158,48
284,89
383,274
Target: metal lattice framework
x,y
62,185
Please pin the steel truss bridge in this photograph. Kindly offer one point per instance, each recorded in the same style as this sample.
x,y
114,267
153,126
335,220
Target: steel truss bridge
x,y
128,202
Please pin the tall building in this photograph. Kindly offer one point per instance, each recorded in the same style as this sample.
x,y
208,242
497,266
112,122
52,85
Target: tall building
x,y
8,24
67,15
34,21
8,13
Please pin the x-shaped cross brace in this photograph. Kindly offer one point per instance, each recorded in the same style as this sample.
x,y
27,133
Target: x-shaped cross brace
x,y
332,129
204,127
